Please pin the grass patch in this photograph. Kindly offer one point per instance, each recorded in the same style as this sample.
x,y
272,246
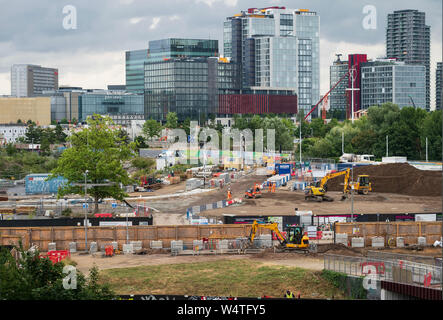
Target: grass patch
x,y
245,278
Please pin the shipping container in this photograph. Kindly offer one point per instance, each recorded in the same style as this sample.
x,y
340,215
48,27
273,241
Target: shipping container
x,y
283,168
38,184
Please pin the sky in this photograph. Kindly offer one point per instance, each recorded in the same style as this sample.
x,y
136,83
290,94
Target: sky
x,y
93,55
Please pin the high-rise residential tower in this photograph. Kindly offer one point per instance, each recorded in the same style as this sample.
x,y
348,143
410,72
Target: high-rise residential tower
x,y
29,80
438,86
337,97
408,40
277,47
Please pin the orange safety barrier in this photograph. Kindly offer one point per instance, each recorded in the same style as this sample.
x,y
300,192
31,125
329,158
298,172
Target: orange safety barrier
x,y
379,266
109,251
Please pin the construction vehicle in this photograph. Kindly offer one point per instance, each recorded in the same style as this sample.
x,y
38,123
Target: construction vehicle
x,y
254,192
295,240
317,191
148,184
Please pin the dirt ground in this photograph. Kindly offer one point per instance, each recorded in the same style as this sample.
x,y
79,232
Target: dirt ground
x,y
282,201
286,201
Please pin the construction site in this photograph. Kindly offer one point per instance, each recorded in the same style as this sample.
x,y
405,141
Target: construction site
x,y
380,220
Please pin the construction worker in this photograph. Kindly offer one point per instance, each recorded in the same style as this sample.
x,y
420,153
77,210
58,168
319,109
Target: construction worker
x,y
270,187
289,294
273,187
229,194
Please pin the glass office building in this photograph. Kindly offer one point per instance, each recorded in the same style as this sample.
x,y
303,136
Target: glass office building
x,y
276,47
135,76
337,97
109,103
389,81
186,86
176,48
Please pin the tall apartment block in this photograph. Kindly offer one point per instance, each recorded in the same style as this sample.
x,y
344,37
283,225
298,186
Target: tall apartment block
x,y
29,80
276,47
408,40
438,86
388,80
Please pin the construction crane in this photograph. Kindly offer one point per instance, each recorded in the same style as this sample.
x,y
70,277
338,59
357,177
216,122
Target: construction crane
x,y
295,240
326,95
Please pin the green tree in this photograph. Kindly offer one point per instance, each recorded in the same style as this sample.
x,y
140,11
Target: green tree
x,y
171,120
60,136
100,150
431,129
34,278
152,128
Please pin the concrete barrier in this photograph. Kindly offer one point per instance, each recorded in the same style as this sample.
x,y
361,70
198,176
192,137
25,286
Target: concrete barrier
x,y
422,241
114,245
341,238
52,246
378,242
137,245
400,242
197,245
128,248
72,247
327,235
93,247
156,244
358,242
177,245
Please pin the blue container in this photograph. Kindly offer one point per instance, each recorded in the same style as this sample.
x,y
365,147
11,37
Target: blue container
x,y
37,184
283,168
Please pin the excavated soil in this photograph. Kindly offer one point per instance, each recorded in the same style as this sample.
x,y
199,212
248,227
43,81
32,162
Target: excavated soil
x,y
399,178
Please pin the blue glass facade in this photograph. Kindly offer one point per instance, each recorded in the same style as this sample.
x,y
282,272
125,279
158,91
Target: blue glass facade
x,y
109,104
135,71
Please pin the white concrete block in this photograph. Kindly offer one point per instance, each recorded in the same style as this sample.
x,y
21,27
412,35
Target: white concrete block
x,y
422,241
341,238
72,247
128,248
93,247
358,242
52,246
177,245
137,245
400,242
378,242
156,244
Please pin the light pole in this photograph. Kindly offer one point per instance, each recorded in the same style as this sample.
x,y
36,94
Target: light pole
x,y
352,74
352,194
86,214
387,146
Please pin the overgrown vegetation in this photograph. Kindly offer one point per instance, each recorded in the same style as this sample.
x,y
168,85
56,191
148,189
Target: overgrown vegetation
x,y
31,277
351,287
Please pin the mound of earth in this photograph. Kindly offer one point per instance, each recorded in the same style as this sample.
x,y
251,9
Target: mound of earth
x,y
400,178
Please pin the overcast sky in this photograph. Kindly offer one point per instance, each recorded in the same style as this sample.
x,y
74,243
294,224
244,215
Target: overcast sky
x,y
93,55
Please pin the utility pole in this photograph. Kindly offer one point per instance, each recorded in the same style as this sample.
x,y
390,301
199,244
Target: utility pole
x,y
426,149
86,215
387,146
300,122
352,195
343,142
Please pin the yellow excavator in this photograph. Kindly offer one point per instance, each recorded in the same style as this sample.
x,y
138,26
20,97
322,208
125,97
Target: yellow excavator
x,y
295,240
318,191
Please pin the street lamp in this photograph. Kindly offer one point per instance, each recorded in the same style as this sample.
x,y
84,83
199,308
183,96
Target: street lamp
x,y
86,214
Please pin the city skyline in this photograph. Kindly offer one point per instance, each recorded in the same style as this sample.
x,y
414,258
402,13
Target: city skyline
x,y
93,55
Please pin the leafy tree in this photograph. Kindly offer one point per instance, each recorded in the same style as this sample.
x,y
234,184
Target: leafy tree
x,y
60,136
10,149
431,129
100,150
32,277
140,142
171,120
152,128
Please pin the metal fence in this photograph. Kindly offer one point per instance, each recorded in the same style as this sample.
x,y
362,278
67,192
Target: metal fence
x,y
400,271
405,257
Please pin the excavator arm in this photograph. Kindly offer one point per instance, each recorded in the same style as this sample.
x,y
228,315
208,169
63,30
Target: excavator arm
x,y
329,176
273,227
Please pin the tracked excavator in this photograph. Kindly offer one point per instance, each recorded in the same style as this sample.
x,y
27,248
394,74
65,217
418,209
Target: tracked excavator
x,y
317,191
295,239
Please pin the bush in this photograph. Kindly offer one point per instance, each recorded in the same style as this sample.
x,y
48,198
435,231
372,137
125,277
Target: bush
x,y
351,286
31,277
143,163
67,212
